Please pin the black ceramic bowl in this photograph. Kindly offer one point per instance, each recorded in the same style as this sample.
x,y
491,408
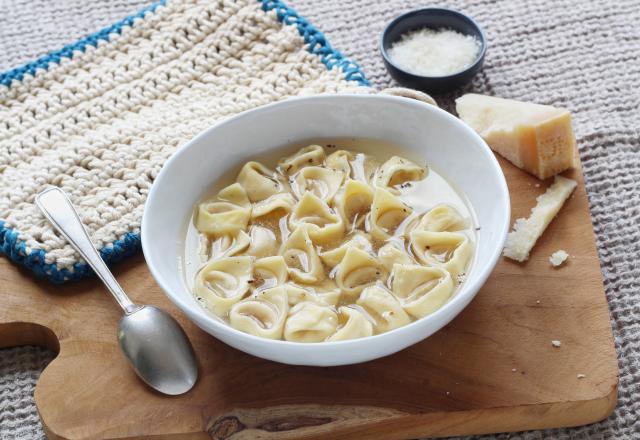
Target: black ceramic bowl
x,y
435,18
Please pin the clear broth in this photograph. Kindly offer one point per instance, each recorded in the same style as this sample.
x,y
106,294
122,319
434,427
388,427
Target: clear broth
x,y
421,196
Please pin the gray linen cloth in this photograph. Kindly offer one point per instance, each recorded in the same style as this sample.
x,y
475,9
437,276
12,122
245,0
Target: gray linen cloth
x,y
582,55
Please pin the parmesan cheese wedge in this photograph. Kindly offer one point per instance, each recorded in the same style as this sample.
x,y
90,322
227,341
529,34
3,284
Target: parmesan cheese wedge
x,y
537,138
526,232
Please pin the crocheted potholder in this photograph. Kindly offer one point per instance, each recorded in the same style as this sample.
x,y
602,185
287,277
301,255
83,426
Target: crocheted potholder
x,y
100,117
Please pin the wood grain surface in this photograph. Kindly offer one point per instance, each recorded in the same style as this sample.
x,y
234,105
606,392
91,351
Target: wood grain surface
x,y
459,381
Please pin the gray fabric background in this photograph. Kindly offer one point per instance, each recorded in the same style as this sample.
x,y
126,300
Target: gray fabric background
x,y
577,54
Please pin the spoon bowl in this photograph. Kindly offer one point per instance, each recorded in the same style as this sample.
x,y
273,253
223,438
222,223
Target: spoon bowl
x,y
158,350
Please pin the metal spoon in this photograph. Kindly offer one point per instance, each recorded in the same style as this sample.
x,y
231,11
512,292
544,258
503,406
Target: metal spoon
x,y
155,344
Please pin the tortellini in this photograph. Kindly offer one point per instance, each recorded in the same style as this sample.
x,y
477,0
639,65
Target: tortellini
x,y
357,270
298,294
229,213
236,194
334,256
223,282
319,181
310,322
261,241
301,258
387,213
320,221
261,315
340,160
258,181
442,218
421,290
326,248
397,171
352,324
269,272
449,250
305,157
384,308
230,245
391,254
272,208
354,203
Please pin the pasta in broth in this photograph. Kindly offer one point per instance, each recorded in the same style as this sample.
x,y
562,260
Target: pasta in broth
x,y
330,243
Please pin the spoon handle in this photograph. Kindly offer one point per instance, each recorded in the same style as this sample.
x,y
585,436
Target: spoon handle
x,y
57,208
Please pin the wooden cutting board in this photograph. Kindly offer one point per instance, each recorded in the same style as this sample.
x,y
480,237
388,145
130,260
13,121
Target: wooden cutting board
x,y
492,369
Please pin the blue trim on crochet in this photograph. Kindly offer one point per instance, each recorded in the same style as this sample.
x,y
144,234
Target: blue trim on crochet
x,y
17,74
16,249
317,43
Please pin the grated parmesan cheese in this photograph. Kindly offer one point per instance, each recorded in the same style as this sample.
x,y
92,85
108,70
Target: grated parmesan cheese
x,y
431,52
558,257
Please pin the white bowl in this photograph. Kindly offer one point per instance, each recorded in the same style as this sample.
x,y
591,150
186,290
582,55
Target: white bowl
x,y
442,140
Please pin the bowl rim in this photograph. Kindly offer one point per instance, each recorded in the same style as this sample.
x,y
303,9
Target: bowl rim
x,y
421,11
467,291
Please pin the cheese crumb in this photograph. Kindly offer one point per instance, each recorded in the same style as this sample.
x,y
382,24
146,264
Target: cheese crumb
x,y
434,52
526,232
514,370
556,343
558,257
581,376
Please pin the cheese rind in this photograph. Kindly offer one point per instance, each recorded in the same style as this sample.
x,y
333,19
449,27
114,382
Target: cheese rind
x,y
526,232
537,138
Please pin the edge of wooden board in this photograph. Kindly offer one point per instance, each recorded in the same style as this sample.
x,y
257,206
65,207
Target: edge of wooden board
x,y
316,422
349,422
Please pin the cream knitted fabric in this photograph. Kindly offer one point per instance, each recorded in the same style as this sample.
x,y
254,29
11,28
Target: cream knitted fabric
x,y
101,124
